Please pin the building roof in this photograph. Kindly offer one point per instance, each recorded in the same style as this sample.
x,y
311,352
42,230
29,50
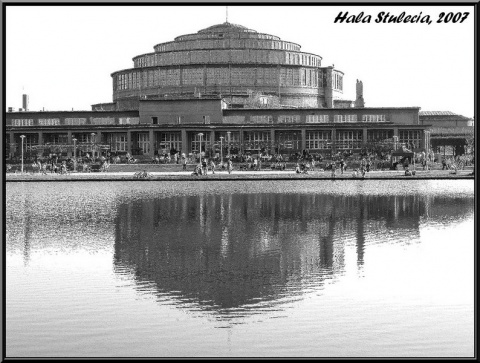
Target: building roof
x,y
437,113
431,115
226,28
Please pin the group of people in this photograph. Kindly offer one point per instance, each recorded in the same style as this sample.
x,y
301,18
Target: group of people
x,y
457,162
167,158
53,167
206,165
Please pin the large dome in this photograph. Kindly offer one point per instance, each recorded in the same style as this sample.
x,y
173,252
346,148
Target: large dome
x,y
229,60
226,28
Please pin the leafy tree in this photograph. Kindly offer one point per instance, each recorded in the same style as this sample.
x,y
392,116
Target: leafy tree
x,y
470,139
380,148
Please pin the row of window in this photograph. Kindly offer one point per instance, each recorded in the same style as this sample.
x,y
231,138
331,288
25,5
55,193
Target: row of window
x,y
167,141
288,77
75,121
224,43
344,139
337,81
254,119
315,140
245,34
227,56
411,138
311,119
288,119
302,59
300,77
264,119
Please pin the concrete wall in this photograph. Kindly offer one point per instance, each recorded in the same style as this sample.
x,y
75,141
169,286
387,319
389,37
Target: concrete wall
x,y
112,106
446,121
191,111
407,116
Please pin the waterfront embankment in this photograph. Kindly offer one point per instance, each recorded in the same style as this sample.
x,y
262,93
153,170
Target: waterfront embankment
x,y
237,175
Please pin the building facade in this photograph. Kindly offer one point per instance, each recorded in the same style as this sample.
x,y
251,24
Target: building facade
x,y
445,119
450,133
176,124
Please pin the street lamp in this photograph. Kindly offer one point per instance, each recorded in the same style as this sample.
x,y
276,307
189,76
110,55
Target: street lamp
x,y
221,150
228,134
74,155
22,137
93,141
201,136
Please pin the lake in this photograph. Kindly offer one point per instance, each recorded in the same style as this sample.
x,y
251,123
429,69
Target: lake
x,y
240,269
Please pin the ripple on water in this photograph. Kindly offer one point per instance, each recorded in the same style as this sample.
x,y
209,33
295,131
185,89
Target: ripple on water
x,y
238,268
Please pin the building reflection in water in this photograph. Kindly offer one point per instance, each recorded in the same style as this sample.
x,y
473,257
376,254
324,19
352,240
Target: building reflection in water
x,y
224,251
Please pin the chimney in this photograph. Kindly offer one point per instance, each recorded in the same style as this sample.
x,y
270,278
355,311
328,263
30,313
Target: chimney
x,y
25,102
359,101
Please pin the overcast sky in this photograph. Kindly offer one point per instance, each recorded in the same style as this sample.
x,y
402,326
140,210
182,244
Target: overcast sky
x,y
62,56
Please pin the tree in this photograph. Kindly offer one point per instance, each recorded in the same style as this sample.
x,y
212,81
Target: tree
x,y
379,148
470,147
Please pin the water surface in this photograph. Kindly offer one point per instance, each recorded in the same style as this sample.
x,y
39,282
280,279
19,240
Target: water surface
x,y
240,268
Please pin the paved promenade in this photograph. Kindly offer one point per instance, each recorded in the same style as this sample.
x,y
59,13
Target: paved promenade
x,y
239,175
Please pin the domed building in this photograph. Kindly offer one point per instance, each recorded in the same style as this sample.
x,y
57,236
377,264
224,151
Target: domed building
x,y
230,61
225,90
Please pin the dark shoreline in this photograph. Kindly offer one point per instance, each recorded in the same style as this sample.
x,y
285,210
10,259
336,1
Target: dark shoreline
x,y
186,176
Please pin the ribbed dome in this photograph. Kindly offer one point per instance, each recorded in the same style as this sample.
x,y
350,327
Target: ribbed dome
x,y
226,28
228,59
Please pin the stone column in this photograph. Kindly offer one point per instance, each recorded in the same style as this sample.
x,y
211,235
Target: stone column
x,y
395,136
212,140
241,138
303,141
364,136
98,141
70,142
129,141
334,138
426,140
184,141
151,140
40,142
272,138
328,87
12,144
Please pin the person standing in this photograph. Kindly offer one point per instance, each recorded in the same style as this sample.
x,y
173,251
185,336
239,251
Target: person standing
x,y
184,163
362,170
342,164
229,166
444,164
334,169
212,166
297,168
363,163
